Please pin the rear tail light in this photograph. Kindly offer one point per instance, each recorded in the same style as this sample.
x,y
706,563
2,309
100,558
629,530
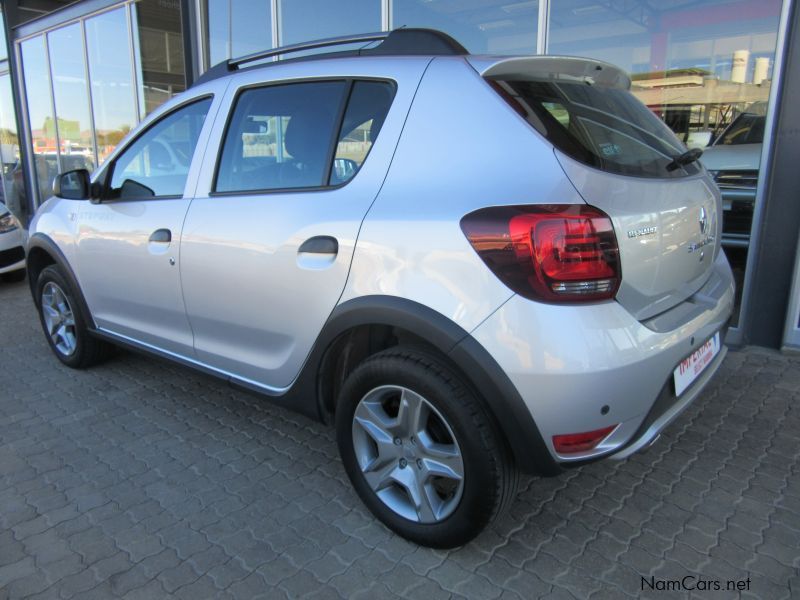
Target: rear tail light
x,y
552,253
573,443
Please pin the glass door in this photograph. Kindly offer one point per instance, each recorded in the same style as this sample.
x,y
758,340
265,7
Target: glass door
x,y
12,185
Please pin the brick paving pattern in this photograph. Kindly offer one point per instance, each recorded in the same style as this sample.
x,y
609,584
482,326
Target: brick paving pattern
x,y
141,479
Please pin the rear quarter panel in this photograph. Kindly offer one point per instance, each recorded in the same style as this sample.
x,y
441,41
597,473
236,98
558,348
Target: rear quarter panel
x,y
462,148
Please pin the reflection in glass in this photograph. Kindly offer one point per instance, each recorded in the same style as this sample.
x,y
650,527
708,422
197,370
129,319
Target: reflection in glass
x,y
366,111
330,19
3,48
251,26
76,144
159,50
705,68
237,27
40,113
697,65
279,137
13,190
482,26
157,163
110,72
218,31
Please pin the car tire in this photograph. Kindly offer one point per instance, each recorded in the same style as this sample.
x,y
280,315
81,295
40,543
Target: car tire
x,y
408,475
62,322
13,276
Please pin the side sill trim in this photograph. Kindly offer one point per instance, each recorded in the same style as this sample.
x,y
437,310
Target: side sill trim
x,y
140,346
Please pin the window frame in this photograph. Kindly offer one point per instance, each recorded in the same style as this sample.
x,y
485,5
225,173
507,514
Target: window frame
x,y
108,173
331,154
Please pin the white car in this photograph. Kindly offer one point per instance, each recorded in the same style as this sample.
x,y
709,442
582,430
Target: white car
x,y
12,247
733,161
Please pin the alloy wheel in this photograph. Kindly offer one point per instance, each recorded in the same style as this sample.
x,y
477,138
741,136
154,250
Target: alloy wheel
x,y
408,454
59,319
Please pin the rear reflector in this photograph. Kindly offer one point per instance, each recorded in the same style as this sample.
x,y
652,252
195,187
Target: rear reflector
x,y
572,443
552,253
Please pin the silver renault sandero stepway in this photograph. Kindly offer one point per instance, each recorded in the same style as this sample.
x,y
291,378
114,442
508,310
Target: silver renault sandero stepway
x,y
472,265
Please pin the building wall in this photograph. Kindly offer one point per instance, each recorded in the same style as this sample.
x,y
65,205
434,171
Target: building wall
x,y
779,224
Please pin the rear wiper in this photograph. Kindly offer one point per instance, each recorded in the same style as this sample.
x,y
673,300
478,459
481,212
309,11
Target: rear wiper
x,y
684,159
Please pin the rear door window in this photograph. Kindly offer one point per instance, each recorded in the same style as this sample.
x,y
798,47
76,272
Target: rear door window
x,y
281,137
606,128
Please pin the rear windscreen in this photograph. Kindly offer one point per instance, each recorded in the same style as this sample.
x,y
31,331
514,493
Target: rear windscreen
x,y
603,127
746,129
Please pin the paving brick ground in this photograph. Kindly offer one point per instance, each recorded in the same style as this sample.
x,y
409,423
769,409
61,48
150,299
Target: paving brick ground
x,y
140,479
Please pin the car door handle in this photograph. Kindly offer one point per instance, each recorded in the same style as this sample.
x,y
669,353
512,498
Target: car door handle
x,y
163,236
320,244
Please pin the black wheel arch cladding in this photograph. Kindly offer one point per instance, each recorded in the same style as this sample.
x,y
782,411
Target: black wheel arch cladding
x,y
480,371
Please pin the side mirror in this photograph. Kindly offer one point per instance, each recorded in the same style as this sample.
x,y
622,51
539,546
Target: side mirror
x,y
72,185
344,169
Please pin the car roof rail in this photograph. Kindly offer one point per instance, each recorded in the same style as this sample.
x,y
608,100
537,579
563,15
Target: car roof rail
x,y
398,42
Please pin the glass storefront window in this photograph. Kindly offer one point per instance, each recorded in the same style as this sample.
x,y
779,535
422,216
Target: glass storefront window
x,y
705,68
111,75
12,193
237,28
330,19
3,43
71,95
698,66
218,31
482,26
40,113
159,48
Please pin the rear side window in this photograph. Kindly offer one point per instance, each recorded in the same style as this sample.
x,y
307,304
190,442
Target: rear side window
x,y
603,127
280,137
366,111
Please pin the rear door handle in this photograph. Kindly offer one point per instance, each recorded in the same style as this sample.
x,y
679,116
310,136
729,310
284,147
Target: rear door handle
x,y
320,244
162,236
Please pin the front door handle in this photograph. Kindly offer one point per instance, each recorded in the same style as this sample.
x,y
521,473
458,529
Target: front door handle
x,y
320,244
162,236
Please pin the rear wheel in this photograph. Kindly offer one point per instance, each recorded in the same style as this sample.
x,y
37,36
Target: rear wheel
x,y
420,449
63,324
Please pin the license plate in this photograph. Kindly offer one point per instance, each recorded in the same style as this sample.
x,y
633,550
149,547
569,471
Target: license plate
x,y
694,364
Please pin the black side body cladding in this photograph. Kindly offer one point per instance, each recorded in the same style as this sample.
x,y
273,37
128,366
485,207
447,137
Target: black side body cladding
x,y
41,241
465,354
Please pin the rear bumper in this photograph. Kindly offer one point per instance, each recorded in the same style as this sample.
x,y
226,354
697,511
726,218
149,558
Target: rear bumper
x,y
667,408
583,368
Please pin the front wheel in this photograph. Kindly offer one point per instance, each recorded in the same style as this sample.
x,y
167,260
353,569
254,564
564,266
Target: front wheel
x,y
63,325
420,449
